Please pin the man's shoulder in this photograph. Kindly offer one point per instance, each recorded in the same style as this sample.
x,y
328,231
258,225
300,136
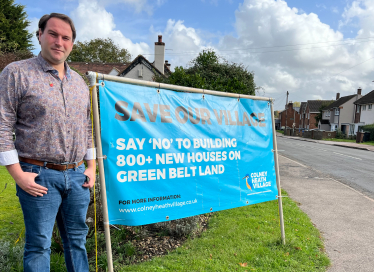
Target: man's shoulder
x,y
17,65
77,77
21,65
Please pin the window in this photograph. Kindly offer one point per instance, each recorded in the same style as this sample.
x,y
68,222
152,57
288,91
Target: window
x,y
328,113
358,108
363,107
370,106
337,111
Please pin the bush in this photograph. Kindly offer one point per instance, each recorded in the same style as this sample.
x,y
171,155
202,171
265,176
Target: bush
x,y
11,256
339,134
369,128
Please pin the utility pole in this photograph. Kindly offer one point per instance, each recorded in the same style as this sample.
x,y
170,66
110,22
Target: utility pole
x,y
285,128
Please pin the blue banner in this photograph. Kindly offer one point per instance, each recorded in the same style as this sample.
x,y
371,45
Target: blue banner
x,y
173,154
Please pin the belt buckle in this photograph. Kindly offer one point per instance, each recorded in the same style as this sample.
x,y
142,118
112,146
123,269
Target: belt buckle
x,y
66,164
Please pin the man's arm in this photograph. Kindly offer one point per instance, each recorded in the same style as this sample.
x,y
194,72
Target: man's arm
x,y
90,173
26,180
8,117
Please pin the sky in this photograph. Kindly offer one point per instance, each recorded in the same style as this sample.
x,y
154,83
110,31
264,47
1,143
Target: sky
x,y
312,49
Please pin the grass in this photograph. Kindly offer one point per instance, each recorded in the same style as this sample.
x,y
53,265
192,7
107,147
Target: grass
x,y
339,140
11,218
248,239
368,143
348,141
280,131
241,239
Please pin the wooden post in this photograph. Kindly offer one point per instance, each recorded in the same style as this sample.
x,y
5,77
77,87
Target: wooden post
x,y
275,150
93,81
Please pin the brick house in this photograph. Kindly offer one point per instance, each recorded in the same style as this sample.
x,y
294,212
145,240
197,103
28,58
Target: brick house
x,y
311,111
140,68
293,116
302,115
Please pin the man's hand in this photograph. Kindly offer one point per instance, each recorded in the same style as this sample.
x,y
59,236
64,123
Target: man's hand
x,y
90,172
26,180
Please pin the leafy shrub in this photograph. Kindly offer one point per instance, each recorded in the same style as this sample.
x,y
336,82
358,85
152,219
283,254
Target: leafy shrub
x,y
369,128
58,262
11,256
339,134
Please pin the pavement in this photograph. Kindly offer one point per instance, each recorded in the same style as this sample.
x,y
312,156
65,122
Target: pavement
x,y
344,216
343,144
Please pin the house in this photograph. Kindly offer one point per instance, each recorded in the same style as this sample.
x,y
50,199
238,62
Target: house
x,y
302,114
139,68
293,116
103,68
341,113
364,112
312,109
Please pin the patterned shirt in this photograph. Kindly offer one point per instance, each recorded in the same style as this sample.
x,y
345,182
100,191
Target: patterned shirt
x,y
50,116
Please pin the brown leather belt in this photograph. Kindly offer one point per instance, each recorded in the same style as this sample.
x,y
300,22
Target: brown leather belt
x,y
55,166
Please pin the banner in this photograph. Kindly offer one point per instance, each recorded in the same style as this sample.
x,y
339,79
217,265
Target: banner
x,y
173,154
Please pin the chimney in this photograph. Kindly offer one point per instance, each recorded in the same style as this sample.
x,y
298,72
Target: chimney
x,y
167,63
359,90
159,54
337,96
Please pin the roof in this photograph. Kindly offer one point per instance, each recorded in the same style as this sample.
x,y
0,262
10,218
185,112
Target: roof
x,y
142,60
315,105
366,99
302,107
339,102
103,68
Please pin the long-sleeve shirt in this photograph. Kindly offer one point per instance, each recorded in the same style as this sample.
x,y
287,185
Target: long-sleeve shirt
x,y
50,116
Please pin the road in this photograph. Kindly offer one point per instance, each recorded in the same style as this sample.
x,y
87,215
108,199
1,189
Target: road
x,y
352,167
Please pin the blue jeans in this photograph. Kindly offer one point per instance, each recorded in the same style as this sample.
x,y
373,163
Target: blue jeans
x,y
67,202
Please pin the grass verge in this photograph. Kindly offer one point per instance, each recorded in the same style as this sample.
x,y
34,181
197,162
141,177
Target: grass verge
x,y
248,239
241,239
11,218
339,140
348,141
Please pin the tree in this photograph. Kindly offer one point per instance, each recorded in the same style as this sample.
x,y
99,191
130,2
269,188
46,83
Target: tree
x,y
319,115
276,114
99,50
211,72
296,104
13,28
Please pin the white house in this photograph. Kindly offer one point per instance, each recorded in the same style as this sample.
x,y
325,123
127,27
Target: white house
x,y
364,110
342,113
141,68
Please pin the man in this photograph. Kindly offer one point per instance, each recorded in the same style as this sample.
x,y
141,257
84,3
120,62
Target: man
x,y
48,107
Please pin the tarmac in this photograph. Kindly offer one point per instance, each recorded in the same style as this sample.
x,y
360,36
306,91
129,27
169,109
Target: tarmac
x,y
344,216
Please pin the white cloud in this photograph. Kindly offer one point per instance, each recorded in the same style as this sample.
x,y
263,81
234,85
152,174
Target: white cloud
x,y
335,9
184,42
307,70
139,6
321,6
100,24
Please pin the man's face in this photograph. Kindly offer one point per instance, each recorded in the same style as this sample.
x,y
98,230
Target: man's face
x,y
56,41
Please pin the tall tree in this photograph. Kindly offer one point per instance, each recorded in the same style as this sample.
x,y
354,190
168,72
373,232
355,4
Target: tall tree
x,y
209,71
99,50
13,28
